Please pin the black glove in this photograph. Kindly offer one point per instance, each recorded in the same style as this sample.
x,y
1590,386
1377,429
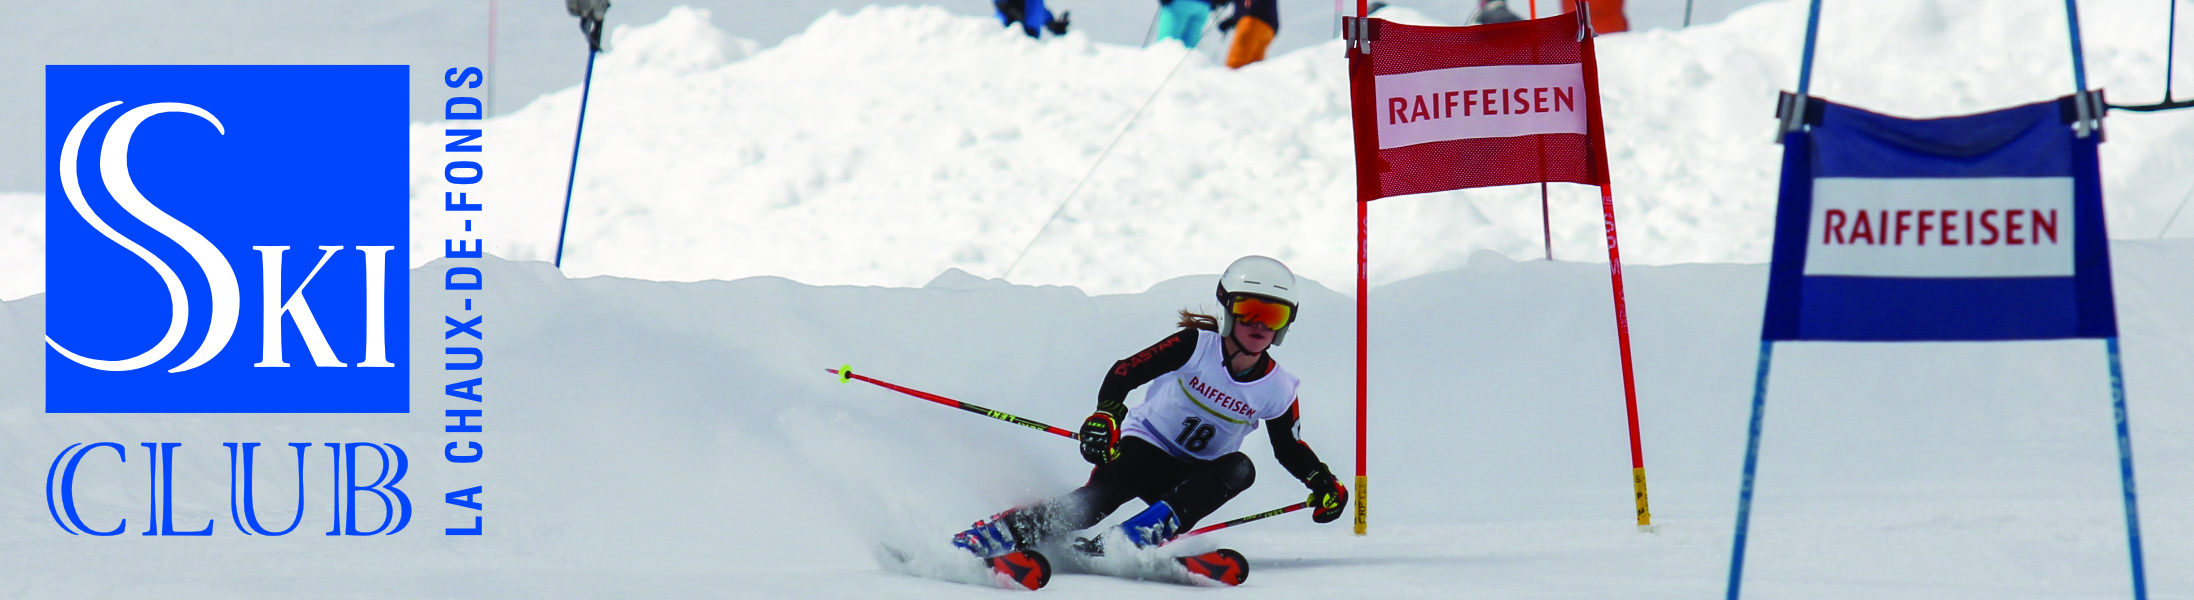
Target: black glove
x,y
1100,438
1327,496
1058,26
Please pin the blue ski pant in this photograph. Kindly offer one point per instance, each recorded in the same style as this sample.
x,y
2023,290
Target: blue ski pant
x,y
1184,20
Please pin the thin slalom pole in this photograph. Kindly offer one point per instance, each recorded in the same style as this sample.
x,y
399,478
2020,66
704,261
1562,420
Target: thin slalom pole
x,y
1152,32
2171,39
2125,472
1752,462
1061,209
1687,13
846,373
585,89
1546,216
2175,214
1805,67
1622,341
1256,517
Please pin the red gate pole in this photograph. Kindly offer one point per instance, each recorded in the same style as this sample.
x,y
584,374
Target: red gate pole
x,y
1622,341
1367,189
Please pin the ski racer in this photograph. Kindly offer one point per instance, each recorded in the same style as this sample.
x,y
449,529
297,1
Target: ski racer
x,y
1183,20
1254,23
1210,385
1493,11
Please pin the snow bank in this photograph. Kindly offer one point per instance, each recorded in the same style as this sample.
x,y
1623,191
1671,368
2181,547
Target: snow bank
x,y
22,244
885,146
683,439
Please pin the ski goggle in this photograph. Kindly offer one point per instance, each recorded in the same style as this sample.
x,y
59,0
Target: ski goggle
x,y
1249,309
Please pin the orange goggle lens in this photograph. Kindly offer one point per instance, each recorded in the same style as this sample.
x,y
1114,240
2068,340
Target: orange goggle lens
x,y
1273,315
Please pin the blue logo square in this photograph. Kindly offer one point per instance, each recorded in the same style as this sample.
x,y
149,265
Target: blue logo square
x,y
227,239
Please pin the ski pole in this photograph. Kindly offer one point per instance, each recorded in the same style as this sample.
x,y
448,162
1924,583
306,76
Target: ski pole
x,y
1259,516
590,13
845,373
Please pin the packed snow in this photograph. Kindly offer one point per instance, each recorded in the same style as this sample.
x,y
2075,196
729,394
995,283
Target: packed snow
x,y
660,439
22,244
746,217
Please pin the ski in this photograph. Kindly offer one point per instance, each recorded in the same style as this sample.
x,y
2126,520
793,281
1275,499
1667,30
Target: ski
x,y
1223,567
1026,570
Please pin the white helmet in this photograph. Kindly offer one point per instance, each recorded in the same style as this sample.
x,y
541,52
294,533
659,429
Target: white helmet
x,y
1262,277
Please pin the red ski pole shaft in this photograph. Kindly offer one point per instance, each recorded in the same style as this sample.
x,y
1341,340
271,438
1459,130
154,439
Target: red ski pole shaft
x,y
846,373
1259,516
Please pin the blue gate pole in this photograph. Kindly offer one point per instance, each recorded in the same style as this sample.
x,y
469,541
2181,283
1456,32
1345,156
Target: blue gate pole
x,y
2125,473
564,224
1752,462
1805,68
2171,39
2079,61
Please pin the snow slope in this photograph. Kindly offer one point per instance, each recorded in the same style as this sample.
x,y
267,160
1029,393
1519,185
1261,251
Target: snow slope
x,y
882,147
885,146
667,439
657,439
22,244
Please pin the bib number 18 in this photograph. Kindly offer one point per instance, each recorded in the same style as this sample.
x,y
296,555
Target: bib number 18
x,y
1195,434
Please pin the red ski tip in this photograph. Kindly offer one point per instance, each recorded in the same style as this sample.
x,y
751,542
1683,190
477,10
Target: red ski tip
x,y
1223,566
1023,570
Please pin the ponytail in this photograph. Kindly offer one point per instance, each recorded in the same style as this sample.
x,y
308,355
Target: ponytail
x,y
1199,321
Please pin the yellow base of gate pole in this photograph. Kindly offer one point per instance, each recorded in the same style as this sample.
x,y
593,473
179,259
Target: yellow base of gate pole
x,y
1645,515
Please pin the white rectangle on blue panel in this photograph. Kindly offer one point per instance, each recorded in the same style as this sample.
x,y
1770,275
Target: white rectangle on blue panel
x,y
1969,227
1979,227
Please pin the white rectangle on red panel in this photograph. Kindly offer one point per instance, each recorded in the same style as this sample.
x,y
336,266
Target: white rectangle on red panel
x,y
1479,102
1947,227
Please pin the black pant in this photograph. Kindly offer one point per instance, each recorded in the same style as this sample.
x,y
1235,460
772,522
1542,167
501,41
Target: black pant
x,y
1193,488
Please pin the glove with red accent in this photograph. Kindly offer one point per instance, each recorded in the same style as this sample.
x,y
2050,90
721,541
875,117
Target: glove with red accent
x,y
1100,437
1327,496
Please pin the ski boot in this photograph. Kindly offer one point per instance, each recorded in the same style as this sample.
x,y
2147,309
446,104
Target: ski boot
x,y
1152,527
993,537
